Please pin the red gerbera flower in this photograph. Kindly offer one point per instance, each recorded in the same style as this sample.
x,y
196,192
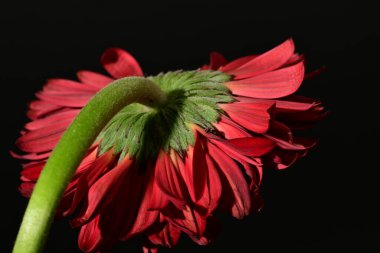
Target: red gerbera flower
x,y
158,173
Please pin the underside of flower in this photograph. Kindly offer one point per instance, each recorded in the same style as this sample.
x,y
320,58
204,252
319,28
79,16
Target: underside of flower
x,y
192,98
160,171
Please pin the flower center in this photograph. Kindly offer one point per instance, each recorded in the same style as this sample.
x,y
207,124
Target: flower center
x,y
192,98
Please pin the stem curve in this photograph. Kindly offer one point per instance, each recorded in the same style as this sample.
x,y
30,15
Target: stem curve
x,y
70,150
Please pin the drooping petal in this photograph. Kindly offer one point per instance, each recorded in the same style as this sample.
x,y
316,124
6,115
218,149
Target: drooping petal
x,y
302,120
196,169
253,146
187,219
145,215
92,172
71,100
254,172
280,131
274,84
118,217
168,236
294,59
300,115
63,116
149,248
217,60
254,116
235,64
88,159
43,139
120,63
266,62
94,79
90,236
122,217
212,230
158,199
102,192
170,181
282,159
26,188
296,103
213,192
283,138
64,86
193,221
38,109
236,182
32,171
230,150
30,156
230,129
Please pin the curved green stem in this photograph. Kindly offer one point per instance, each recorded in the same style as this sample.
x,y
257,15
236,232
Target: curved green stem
x,y
70,150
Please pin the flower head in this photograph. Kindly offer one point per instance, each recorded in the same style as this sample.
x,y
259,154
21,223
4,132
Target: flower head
x,y
164,171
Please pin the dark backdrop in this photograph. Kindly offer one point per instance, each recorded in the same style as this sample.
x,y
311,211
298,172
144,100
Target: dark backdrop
x,y
325,203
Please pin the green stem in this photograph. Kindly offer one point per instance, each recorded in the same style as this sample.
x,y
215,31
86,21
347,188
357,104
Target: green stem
x,y
71,149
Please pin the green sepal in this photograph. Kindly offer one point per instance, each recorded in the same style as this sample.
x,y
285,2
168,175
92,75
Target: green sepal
x,y
193,97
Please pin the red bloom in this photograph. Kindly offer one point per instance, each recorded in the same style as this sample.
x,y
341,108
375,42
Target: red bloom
x,y
222,124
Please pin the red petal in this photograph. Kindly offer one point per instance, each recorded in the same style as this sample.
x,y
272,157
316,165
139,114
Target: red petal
x,y
63,116
63,86
119,217
167,237
283,137
266,62
212,230
158,198
299,115
87,160
40,108
196,169
230,150
253,116
230,129
94,79
143,221
30,156
294,105
302,120
294,59
170,181
92,172
217,60
149,249
101,193
145,216
90,236
212,194
255,173
275,84
253,146
26,189
32,172
187,219
236,182
193,221
72,100
120,63
43,139
282,159
237,63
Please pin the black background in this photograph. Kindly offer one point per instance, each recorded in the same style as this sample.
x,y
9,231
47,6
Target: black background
x,y
325,203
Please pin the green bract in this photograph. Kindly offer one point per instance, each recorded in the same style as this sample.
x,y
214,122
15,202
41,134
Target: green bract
x,y
192,98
